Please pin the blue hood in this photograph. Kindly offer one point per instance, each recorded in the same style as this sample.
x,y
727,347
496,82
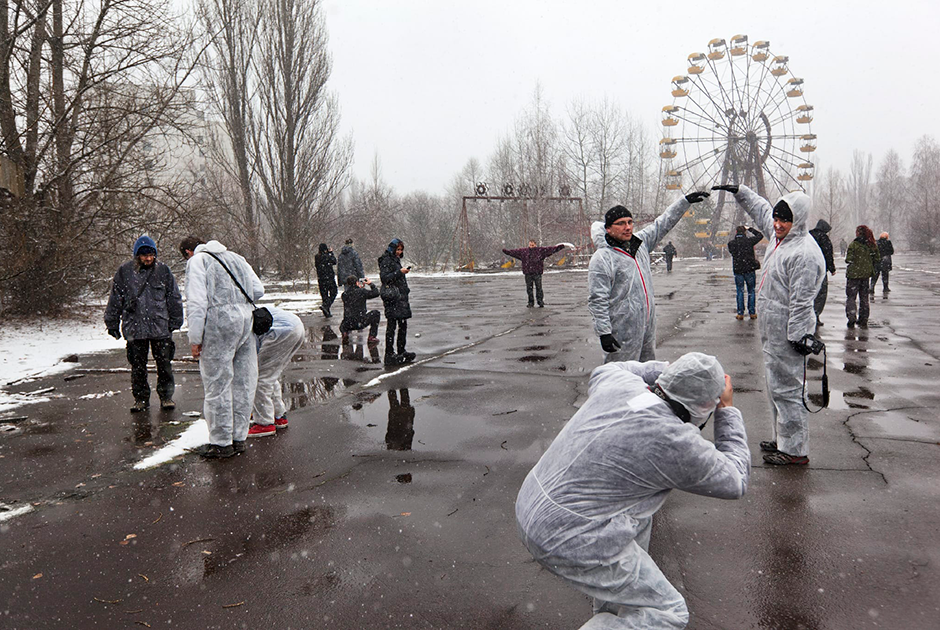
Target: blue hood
x,y
144,241
393,245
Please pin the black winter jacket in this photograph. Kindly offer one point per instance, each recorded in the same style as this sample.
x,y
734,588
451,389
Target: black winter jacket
x,y
741,248
886,249
354,305
821,234
348,264
394,287
153,314
324,263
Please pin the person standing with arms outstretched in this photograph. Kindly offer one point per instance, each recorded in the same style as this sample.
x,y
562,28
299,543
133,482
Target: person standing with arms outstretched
x,y
532,257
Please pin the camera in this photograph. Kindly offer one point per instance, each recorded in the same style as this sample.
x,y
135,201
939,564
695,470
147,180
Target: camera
x,y
813,344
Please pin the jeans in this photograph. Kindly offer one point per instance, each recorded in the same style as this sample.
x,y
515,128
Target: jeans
x,y
740,280
856,287
536,280
668,263
163,352
884,280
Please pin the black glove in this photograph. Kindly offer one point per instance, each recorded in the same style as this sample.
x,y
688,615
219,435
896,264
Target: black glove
x,y
731,188
801,348
114,332
697,196
609,344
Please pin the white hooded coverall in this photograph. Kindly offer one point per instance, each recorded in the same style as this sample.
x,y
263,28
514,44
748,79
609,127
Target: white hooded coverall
x,y
220,320
585,510
621,288
276,348
793,271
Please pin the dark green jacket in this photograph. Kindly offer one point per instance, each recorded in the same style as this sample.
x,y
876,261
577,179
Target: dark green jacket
x,y
861,260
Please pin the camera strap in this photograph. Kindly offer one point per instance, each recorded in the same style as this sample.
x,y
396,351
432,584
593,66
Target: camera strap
x,y
825,384
235,280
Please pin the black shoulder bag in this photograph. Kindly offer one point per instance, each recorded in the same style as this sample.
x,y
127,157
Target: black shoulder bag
x,y
262,320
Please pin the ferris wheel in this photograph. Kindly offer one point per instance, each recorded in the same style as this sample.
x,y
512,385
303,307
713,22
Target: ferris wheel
x,y
738,116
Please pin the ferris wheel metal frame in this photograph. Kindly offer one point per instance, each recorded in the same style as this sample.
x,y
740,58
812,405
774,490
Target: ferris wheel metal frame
x,y
738,116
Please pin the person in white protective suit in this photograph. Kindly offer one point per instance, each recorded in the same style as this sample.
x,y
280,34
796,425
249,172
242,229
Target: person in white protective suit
x,y
620,281
794,268
275,350
221,337
585,510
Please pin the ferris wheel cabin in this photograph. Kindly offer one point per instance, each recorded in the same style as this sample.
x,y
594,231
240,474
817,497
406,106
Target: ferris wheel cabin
x,y
761,51
667,148
795,87
673,180
778,67
716,49
697,63
738,45
805,171
680,87
808,143
804,114
669,118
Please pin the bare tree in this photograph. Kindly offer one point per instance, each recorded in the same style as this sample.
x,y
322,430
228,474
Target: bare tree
x,y
891,190
232,27
859,186
83,89
924,212
829,202
302,161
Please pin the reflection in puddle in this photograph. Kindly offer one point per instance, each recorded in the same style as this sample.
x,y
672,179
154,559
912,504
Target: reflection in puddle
x,y
394,426
405,478
305,393
401,422
535,348
854,369
863,392
356,352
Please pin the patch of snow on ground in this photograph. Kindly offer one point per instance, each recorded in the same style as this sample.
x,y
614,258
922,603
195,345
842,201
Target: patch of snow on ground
x,y
195,435
106,394
6,512
37,350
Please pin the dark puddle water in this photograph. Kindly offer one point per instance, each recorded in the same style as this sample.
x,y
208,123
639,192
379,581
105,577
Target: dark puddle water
x,y
407,419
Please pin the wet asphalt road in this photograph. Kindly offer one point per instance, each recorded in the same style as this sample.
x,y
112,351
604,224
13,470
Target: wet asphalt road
x,y
390,504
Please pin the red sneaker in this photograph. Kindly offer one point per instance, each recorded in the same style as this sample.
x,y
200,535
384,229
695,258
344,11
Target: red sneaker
x,y
280,423
261,430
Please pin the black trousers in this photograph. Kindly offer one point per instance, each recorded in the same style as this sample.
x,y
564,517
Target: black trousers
x,y
884,280
390,325
327,294
534,279
163,352
820,302
371,320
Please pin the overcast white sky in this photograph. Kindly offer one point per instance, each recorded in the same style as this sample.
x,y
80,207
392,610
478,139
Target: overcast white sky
x,y
428,84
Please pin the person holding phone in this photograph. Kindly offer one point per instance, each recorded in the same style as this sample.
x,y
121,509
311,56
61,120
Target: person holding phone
x,y
394,294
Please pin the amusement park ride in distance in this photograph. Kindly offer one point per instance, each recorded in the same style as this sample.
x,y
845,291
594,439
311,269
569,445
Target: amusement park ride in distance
x,y
738,116
524,195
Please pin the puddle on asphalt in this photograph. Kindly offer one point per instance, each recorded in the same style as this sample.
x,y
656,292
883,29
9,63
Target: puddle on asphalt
x,y
405,478
854,369
863,392
535,348
318,389
533,358
405,420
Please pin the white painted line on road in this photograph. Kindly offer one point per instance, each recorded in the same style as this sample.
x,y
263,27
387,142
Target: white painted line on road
x,y
195,435
379,379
